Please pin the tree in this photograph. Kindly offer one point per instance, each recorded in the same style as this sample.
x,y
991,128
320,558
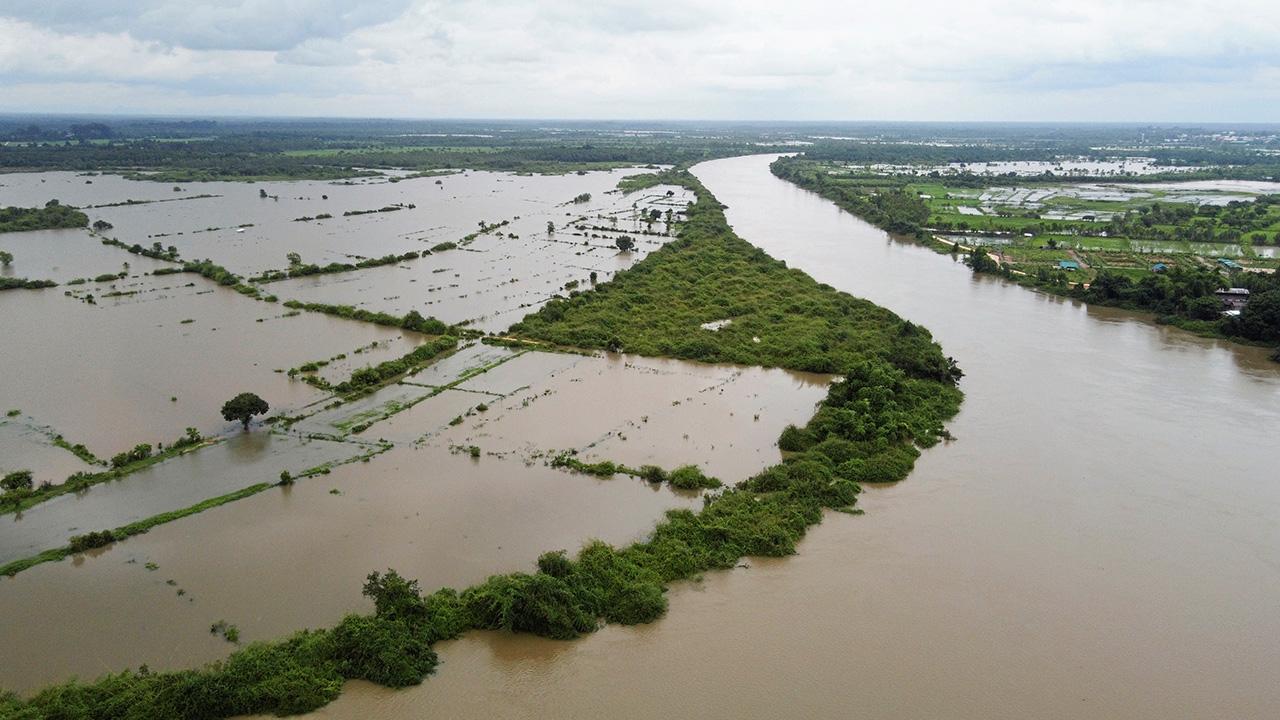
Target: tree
x,y
243,407
1260,319
5,258
625,243
551,228
17,480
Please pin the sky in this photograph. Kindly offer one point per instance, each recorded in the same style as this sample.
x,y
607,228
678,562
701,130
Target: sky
x,y
1084,60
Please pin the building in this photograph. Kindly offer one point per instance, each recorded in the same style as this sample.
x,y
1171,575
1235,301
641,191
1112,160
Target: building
x,y
1229,264
1159,268
1068,265
1233,298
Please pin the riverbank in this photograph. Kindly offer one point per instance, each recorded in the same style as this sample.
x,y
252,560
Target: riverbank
x,y
1177,289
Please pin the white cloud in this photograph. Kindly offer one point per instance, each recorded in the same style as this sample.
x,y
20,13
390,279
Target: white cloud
x,y
916,59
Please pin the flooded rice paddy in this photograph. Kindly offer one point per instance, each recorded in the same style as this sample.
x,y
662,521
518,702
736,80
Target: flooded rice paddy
x,y
142,366
295,557
166,351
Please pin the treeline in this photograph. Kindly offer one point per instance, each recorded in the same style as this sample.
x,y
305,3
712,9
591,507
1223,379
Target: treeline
x,y
1189,294
306,269
17,283
412,320
290,154
1206,223
52,216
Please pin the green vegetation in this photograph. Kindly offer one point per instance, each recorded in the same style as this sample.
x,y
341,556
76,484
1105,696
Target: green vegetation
x,y
53,215
369,378
13,283
685,477
413,320
781,317
384,209
156,251
300,269
243,407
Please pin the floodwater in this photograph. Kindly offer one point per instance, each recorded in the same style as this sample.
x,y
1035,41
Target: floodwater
x,y
296,557
725,419
62,255
501,276
234,225
244,459
141,367
1100,541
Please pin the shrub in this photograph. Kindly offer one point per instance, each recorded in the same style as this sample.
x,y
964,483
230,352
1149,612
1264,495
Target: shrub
x,y
384,651
88,541
689,477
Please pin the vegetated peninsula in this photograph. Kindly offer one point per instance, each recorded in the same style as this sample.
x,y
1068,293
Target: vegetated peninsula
x,y
896,392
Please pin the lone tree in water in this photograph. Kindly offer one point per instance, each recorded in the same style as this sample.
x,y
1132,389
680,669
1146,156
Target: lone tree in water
x,y
243,407
625,243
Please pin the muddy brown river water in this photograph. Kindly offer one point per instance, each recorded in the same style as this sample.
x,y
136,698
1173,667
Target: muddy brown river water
x,y
1102,540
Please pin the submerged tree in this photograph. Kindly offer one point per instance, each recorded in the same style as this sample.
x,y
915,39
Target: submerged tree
x,y
625,243
5,258
243,407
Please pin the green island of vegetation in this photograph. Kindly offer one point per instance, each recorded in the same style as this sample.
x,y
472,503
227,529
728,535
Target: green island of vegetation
x,y
1166,257
896,391
53,215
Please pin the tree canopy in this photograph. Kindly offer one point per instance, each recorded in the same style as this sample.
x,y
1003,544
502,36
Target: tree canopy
x,y
243,407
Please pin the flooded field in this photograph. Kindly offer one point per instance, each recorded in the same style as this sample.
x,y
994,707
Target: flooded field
x,y
192,344
64,255
295,557
161,356
249,228
1092,544
1119,166
502,275
637,411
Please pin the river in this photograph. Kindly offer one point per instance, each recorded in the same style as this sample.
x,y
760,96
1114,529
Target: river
x,y
1102,539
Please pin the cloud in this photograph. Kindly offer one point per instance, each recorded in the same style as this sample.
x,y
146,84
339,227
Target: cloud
x,y
699,59
210,25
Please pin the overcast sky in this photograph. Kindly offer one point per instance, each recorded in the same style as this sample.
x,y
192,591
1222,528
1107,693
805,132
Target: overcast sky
x,y
1139,60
